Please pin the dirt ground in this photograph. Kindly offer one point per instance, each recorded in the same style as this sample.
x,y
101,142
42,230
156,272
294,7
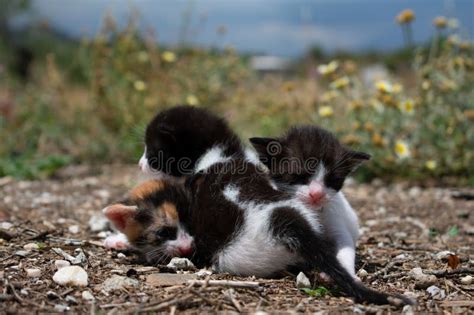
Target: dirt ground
x,y
403,227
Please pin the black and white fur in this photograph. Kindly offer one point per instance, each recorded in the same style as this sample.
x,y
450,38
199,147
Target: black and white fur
x,y
331,164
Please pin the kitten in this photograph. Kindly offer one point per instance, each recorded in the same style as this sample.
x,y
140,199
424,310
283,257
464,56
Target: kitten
x,y
148,220
184,139
311,163
243,226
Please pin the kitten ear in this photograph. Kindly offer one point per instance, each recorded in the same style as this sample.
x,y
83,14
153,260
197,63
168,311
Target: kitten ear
x,y
358,155
266,146
120,215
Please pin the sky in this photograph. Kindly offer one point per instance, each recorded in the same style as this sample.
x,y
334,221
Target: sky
x,y
274,27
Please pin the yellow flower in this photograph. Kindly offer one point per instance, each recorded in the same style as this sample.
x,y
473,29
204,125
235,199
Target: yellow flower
x,y
142,56
407,106
329,96
325,111
329,68
168,56
426,85
368,126
406,16
384,86
350,139
356,105
378,140
401,149
288,86
431,165
192,100
340,83
397,88
440,22
139,85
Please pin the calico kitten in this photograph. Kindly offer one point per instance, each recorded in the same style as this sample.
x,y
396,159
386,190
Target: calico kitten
x,y
242,225
149,221
177,138
311,163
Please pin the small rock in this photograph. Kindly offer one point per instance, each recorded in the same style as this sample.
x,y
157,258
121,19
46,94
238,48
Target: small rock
x,y
74,229
6,225
121,256
61,308
408,310
86,295
203,273
444,255
52,295
31,246
422,280
24,292
362,273
436,293
71,300
60,263
71,275
33,272
98,222
467,280
22,253
116,282
414,191
181,264
302,281
168,279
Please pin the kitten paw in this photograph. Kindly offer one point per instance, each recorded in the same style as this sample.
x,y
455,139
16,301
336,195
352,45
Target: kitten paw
x,y
116,241
324,278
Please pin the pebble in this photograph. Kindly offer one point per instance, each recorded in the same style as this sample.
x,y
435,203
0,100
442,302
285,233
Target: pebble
x,y
31,246
116,282
203,273
422,280
33,272
52,295
60,263
22,253
74,229
98,223
24,292
71,275
362,273
6,225
181,264
87,295
436,293
444,255
408,310
61,308
168,279
302,281
121,256
71,300
467,280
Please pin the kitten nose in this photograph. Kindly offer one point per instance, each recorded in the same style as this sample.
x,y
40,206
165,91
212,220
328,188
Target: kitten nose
x,y
316,192
185,250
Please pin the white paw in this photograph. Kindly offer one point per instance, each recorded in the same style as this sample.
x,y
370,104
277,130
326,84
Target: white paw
x,y
116,241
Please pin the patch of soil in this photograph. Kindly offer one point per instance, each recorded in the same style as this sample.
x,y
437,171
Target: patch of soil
x,y
403,228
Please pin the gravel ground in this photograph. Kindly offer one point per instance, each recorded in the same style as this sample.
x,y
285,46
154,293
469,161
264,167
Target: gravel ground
x,y
404,227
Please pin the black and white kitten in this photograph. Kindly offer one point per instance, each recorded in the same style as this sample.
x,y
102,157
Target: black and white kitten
x,y
311,163
184,139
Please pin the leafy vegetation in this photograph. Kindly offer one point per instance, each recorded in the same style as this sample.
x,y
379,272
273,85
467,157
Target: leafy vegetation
x,y
90,101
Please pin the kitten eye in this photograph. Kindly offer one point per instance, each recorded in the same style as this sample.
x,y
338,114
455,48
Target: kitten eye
x,y
166,232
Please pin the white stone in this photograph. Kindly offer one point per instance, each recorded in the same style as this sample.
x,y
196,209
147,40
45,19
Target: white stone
x,y
436,293
71,275
422,280
60,263
121,256
33,272
444,255
362,273
467,280
86,295
5,225
203,273
302,281
181,263
31,246
116,282
74,229
98,222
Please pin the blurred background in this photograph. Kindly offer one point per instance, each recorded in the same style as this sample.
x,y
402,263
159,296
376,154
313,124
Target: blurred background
x,y
80,79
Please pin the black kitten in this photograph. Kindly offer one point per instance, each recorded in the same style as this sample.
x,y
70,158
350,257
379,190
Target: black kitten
x,y
177,138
